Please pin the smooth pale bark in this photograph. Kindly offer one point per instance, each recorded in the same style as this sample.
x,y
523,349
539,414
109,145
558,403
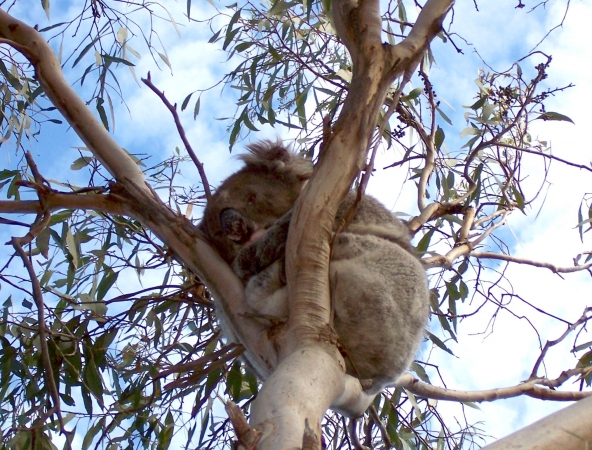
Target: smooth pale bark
x,y
568,429
49,73
375,66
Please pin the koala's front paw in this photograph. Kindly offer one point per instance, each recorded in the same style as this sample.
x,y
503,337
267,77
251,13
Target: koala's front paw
x,y
272,246
245,264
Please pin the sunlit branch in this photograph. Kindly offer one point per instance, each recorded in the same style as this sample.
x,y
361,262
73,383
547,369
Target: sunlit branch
x,y
463,249
246,436
552,267
467,224
541,388
431,212
56,201
33,46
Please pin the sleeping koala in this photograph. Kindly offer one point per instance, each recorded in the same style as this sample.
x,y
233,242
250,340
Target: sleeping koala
x,y
378,286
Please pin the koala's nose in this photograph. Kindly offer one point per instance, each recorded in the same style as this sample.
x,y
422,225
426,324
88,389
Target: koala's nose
x,y
235,226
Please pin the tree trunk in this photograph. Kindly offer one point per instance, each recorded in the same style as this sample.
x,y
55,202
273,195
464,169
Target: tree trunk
x,y
310,376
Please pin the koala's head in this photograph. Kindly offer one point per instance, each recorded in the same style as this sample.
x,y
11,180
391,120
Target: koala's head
x,y
252,199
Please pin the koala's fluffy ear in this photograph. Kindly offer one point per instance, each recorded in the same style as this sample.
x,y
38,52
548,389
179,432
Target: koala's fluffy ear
x,y
276,158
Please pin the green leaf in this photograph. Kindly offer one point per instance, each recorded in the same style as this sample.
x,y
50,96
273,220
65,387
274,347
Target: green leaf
x,y
519,199
279,7
413,94
186,101
402,14
436,340
60,217
470,131
102,113
420,371
215,36
13,188
439,138
243,46
424,242
85,50
109,278
479,103
234,381
582,347
585,360
42,241
72,248
93,379
444,116
554,116
230,33
45,5
90,434
463,290
51,27
115,59
471,405
81,162
235,132
166,434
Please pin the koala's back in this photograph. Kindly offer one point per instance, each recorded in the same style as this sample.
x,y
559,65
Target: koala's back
x,y
381,304
372,218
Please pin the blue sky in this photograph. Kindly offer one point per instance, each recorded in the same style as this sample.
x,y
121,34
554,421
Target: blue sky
x,y
501,34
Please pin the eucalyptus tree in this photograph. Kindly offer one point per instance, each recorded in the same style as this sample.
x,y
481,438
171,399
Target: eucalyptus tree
x,y
85,353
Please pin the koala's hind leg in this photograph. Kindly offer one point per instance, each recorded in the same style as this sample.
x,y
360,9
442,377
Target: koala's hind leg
x,y
267,293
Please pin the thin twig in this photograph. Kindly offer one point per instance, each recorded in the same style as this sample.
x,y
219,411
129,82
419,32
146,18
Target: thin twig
x,y
553,268
173,109
37,227
544,155
541,388
378,422
583,319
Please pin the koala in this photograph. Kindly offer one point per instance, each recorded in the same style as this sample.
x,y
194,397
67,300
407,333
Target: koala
x,y
379,288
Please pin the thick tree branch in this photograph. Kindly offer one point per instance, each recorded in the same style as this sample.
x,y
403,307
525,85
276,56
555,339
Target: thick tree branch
x,y
309,335
568,429
47,70
59,200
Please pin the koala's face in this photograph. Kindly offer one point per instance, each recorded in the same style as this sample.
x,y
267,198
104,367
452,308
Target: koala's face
x,y
244,206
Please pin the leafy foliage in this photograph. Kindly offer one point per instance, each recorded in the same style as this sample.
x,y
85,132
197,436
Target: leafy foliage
x,y
134,358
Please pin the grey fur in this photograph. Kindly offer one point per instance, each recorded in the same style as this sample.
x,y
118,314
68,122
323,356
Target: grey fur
x,y
378,286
